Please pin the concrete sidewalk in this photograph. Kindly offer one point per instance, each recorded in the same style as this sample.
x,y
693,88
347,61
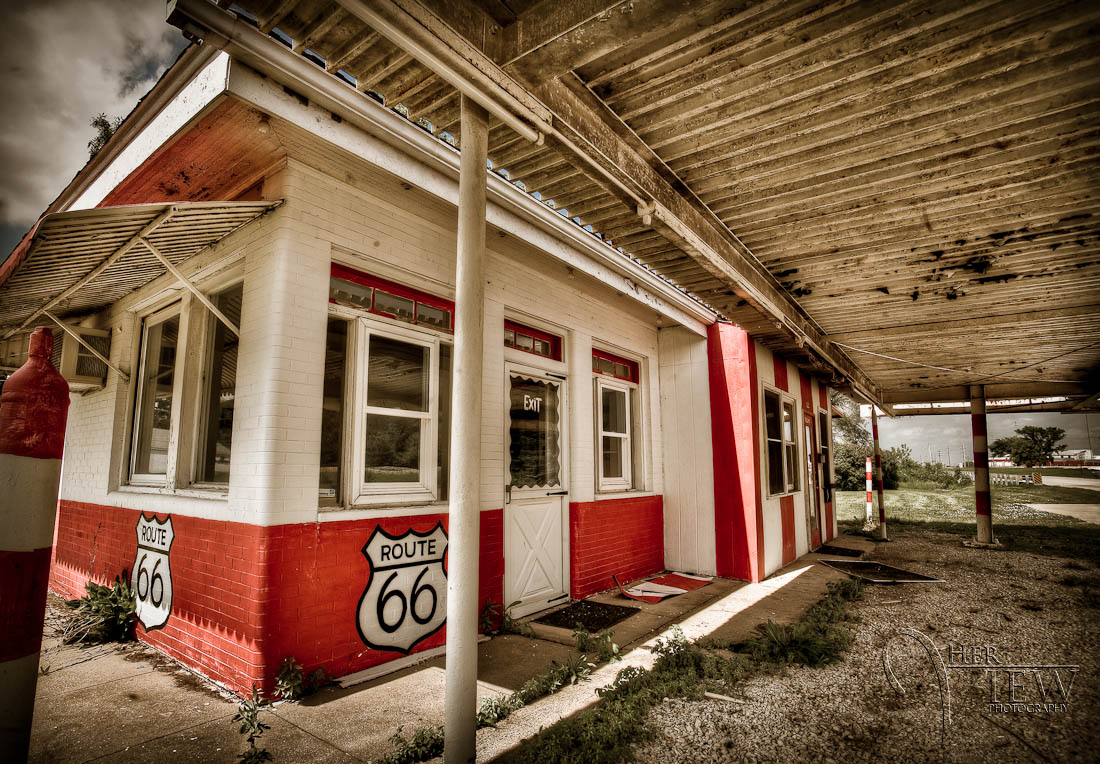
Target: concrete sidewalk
x,y
130,704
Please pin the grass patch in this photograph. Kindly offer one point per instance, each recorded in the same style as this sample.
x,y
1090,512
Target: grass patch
x,y
425,743
605,732
957,505
1076,542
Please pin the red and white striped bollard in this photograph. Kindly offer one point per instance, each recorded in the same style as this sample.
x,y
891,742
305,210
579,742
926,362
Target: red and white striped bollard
x,y
33,409
869,523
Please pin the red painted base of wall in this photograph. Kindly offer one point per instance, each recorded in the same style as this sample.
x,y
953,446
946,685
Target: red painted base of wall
x,y
786,512
621,537
246,597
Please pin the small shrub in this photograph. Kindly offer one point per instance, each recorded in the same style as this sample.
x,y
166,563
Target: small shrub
x,y
509,625
425,743
104,614
248,714
291,683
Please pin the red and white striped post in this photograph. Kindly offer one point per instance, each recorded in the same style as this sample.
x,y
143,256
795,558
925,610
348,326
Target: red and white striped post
x,y
983,503
878,476
33,408
869,523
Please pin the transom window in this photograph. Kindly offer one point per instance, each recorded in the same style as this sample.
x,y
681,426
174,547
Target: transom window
x,y
359,290
782,444
530,340
614,366
616,394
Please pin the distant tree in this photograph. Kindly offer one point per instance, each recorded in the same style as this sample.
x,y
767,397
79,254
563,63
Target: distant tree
x,y
848,427
105,128
1030,445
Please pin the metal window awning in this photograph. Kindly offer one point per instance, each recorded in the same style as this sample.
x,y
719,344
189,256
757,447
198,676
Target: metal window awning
x,y
85,260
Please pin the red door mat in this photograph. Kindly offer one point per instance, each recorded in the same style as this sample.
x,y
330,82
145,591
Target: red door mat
x,y
668,585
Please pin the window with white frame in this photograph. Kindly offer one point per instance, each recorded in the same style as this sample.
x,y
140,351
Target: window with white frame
x,y
781,453
166,405
398,387
616,381
156,394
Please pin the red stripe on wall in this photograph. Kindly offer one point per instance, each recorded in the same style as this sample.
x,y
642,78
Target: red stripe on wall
x,y
823,395
828,520
756,475
22,601
805,386
738,522
620,537
786,511
780,370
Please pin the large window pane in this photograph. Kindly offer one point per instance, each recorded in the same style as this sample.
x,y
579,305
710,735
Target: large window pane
x,y
614,411
788,422
392,449
221,390
775,467
443,441
771,415
397,374
613,456
332,407
154,417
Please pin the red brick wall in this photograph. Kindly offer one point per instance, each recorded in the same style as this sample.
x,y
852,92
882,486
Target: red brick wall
x,y
245,597
622,537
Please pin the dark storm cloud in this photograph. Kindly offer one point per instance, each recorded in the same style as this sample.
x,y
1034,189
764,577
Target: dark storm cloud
x,y
64,62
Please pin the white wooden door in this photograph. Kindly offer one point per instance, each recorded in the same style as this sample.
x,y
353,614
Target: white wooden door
x,y
535,507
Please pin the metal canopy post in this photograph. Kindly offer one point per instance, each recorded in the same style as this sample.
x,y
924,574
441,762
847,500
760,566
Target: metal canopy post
x,y
85,344
983,502
465,475
878,476
191,287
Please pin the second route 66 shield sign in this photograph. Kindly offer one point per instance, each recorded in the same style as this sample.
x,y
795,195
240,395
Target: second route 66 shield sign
x,y
151,580
405,601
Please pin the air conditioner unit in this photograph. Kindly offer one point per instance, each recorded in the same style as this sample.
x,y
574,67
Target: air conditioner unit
x,y
80,368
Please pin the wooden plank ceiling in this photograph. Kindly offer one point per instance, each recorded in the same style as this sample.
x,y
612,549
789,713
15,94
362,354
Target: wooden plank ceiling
x,y
920,176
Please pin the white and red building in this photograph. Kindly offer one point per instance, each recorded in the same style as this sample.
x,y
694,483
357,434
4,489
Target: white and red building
x,y
274,479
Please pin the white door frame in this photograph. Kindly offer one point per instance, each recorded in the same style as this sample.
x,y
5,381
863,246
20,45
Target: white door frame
x,y
532,370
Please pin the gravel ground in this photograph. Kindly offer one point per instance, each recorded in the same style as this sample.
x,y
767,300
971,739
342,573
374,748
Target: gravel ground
x,y
1013,602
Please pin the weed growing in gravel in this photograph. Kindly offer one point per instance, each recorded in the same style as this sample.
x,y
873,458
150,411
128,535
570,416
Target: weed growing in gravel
x,y
818,639
605,733
425,743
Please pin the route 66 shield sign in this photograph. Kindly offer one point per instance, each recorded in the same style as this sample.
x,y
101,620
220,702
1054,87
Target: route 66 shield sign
x,y
405,601
151,579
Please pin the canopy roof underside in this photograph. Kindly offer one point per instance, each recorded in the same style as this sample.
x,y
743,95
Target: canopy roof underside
x,y
919,177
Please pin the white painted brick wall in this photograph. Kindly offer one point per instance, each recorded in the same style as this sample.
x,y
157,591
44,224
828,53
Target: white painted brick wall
x,y
375,224
690,543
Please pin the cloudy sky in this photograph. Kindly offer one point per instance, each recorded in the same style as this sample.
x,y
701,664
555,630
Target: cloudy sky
x,y
946,435
64,62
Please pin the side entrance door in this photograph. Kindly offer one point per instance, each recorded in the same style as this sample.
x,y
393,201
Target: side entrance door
x,y
813,497
535,520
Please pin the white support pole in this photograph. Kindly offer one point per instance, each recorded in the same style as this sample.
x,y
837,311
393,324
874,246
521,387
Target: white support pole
x,y
85,344
191,287
465,476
